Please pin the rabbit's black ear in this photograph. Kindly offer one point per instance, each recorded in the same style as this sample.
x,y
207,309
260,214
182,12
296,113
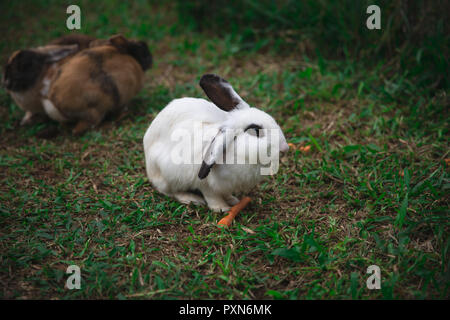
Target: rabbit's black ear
x,y
204,170
216,151
137,49
221,93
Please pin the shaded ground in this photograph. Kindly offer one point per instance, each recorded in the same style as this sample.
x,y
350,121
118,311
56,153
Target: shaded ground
x,y
372,190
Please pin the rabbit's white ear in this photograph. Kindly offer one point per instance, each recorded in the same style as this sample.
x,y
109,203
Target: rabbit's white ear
x,y
221,93
215,151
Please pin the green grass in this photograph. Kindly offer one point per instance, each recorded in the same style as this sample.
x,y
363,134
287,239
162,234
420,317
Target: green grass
x,y
373,189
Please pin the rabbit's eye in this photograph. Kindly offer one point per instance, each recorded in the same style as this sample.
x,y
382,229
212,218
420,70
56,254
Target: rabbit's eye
x,y
254,130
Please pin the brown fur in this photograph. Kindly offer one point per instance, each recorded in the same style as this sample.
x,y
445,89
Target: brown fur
x,y
97,81
26,70
83,78
25,73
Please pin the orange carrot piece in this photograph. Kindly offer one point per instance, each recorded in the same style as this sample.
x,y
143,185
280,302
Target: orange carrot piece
x,y
227,220
305,149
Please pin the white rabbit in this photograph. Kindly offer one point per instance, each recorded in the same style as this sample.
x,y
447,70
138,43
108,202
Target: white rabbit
x,y
214,134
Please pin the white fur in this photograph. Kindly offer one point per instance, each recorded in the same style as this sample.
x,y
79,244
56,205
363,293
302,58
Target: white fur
x,y
45,86
179,180
52,112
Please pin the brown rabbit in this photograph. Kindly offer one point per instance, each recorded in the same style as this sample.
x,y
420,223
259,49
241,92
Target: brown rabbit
x,y
25,71
96,81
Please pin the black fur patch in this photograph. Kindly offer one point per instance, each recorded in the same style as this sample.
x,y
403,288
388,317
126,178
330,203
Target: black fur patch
x,y
204,170
137,49
254,126
106,82
218,90
24,70
141,53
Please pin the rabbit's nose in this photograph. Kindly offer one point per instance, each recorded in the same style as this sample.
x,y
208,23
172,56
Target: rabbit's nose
x,y
284,147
